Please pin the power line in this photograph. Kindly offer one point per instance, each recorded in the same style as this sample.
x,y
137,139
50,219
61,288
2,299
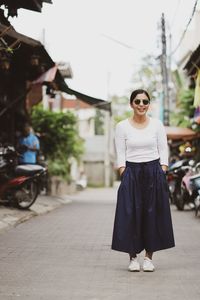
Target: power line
x,y
175,14
123,44
186,28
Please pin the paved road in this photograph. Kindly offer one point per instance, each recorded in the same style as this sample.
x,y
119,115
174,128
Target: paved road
x,y
66,255
10,216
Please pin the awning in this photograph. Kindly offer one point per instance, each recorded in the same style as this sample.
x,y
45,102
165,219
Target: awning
x,y
98,103
10,35
60,85
30,46
193,62
180,133
101,104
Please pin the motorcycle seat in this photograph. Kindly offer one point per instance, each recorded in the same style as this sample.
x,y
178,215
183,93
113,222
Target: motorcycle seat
x,y
178,164
28,169
193,177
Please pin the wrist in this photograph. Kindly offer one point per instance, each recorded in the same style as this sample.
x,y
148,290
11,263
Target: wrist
x,y
121,170
164,168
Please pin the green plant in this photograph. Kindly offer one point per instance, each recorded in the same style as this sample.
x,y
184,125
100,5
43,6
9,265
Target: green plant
x,y
125,115
59,166
99,122
59,139
183,117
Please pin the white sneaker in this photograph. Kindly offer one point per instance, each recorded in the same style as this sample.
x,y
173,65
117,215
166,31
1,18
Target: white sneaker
x,y
148,265
134,265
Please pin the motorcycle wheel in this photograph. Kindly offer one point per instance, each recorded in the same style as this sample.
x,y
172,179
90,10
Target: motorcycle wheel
x,y
197,205
180,196
26,196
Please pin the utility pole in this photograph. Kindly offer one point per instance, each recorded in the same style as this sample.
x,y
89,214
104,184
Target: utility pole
x,y
107,164
164,74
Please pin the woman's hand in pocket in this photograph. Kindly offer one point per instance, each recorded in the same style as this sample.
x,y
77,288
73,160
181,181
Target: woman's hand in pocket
x,y
121,171
164,168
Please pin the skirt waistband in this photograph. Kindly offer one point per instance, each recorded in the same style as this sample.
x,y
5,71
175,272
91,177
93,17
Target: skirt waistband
x,y
147,163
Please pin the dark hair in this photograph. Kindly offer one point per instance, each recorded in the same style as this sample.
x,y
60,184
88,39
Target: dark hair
x,y
136,92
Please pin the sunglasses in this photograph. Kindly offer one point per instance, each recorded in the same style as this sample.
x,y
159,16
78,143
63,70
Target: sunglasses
x,y
143,101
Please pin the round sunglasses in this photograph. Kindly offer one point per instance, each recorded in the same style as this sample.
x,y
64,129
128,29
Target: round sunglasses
x,y
143,101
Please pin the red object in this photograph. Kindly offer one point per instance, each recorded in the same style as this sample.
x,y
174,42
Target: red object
x,y
18,180
12,183
48,76
177,133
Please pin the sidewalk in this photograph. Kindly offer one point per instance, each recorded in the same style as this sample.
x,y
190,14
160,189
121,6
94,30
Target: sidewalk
x,y
10,216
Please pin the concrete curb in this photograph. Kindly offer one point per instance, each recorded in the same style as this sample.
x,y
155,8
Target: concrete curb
x,y
11,217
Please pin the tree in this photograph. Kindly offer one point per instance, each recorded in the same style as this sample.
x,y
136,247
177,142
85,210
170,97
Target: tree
x,y
59,138
183,117
120,108
148,76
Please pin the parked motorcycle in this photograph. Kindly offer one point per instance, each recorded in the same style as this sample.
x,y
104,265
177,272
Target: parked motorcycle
x,y
174,177
191,187
195,184
45,180
19,184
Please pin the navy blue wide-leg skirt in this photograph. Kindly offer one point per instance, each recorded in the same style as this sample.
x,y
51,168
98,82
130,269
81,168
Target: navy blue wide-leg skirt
x,y
143,216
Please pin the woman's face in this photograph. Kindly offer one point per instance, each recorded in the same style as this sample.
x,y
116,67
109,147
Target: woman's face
x,y
140,104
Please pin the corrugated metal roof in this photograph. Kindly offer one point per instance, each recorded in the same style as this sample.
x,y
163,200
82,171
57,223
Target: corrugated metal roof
x,y
30,46
14,5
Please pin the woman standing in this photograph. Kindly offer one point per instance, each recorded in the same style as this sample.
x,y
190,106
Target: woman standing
x,y
142,217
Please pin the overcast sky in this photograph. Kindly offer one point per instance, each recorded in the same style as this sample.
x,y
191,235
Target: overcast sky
x,y
85,34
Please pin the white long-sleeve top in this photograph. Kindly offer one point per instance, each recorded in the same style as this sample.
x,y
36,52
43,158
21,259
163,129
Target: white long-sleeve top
x,y
141,145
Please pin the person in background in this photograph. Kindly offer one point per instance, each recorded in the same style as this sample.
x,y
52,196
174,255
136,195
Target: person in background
x,y
142,217
28,146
